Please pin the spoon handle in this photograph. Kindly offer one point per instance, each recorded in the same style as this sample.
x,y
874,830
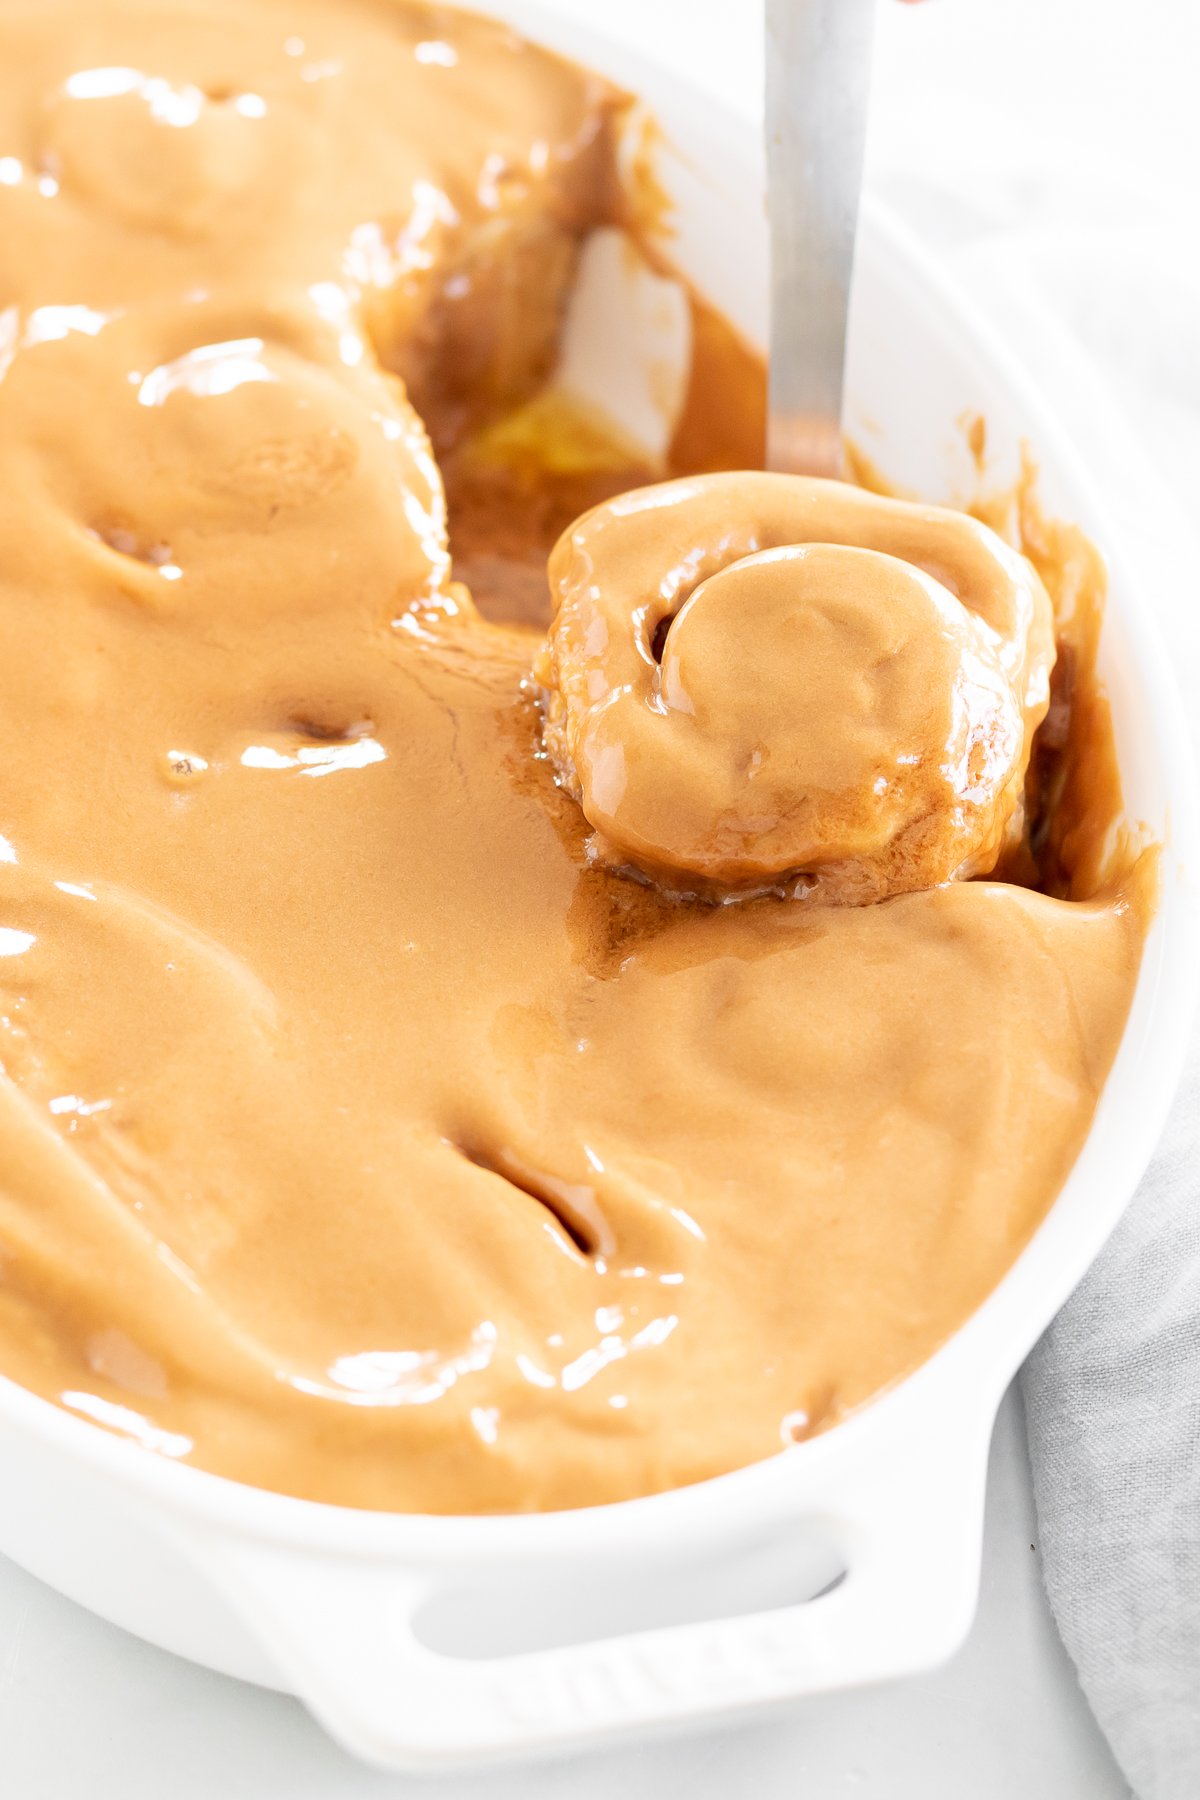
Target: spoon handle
x,y
818,81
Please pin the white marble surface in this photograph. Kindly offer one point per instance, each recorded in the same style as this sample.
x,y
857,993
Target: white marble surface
x,y
87,1713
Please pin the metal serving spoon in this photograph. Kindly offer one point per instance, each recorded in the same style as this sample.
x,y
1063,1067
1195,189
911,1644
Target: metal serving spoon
x,y
818,78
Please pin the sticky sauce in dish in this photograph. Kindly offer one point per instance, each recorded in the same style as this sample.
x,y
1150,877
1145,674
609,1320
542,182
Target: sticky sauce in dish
x,y
364,1134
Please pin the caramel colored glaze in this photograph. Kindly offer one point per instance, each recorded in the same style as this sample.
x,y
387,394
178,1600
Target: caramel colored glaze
x,y
507,515
723,423
753,677
1079,842
359,1137
422,167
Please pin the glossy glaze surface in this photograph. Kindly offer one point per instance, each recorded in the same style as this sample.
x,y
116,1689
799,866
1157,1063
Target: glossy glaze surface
x,y
756,680
360,1136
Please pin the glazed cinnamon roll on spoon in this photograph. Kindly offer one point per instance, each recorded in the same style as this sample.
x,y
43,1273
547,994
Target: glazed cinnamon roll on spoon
x,y
759,681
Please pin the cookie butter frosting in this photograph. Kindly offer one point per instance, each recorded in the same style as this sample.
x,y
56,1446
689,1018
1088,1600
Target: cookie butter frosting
x,y
751,676
363,1134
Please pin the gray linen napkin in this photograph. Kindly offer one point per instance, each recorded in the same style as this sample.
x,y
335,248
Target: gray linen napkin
x,y
1112,1395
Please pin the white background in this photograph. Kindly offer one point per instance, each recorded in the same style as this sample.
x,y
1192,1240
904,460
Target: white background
x,y
1050,150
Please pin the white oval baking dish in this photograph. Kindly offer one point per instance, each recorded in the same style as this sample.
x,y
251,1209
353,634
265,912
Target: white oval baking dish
x,y
691,1606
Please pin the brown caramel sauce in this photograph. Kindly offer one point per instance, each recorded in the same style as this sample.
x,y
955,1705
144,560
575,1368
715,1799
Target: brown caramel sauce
x,y
360,1136
505,518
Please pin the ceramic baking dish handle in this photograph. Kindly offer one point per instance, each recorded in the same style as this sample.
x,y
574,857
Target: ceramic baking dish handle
x,y
342,1633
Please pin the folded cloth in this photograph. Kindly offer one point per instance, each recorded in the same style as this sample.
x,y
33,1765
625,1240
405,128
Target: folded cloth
x,y
1112,1397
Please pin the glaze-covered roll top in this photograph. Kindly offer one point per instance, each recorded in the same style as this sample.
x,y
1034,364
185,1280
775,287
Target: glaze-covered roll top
x,y
757,679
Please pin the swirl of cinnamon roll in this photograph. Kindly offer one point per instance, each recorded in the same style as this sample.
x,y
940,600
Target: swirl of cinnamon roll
x,y
756,680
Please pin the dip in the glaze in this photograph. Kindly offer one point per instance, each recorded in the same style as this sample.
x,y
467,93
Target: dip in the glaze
x,y
361,1135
